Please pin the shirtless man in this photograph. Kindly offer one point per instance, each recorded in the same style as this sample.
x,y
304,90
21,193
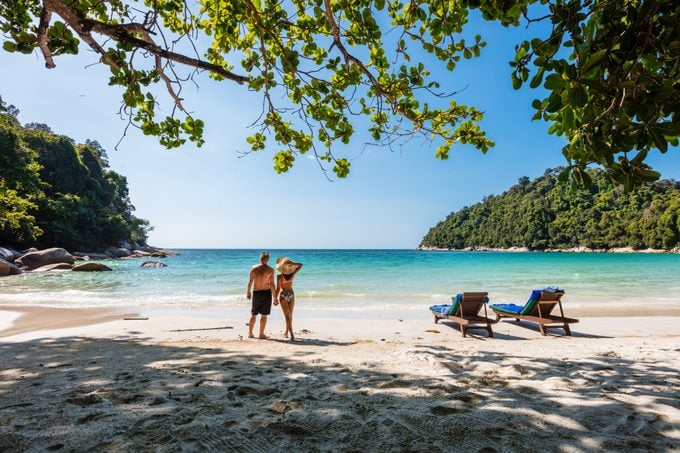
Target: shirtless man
x,y
262,283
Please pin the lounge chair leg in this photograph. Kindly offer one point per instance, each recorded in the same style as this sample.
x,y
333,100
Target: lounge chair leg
x,y
488,328
436,320
540,326
567,330
462,330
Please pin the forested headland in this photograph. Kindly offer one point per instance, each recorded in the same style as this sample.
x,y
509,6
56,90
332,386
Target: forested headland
x,y
57,193
545,214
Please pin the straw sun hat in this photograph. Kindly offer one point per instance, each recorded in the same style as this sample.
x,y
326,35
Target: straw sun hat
x,y
284,265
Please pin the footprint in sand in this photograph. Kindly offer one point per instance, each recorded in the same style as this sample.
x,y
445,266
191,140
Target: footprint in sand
x,y
397,383
84,400
282,406
93,416
448,409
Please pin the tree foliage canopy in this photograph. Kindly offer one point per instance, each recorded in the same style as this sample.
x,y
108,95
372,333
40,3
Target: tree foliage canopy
x,y
610,68
56,193
542,214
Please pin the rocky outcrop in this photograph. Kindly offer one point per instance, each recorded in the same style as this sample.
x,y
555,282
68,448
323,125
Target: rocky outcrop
x,y
90,267
622,250
153,264
39,258
87,256
7,268
118,252
153,251
54,267
8,254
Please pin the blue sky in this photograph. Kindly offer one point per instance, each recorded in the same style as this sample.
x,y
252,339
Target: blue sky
x,y
211,197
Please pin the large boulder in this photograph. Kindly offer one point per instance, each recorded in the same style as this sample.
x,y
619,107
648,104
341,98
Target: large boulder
x,y
118,252
91,256
7,268
33,260
4,268
8,254
153,264
13,270
54,267
90,267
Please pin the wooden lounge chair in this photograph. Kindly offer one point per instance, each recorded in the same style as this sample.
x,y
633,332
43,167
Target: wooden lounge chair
x,y
537,309
465,310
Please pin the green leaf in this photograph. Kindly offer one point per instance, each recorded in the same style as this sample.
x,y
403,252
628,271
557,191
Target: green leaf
x,y
9,46
537,78
658,139
668,130
554,103
594,60
567,118
578,96
554,82
516,81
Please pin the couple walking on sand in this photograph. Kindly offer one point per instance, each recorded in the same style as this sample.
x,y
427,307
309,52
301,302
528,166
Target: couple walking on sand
x,y
264,291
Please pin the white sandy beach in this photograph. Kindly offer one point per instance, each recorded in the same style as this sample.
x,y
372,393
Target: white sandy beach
x,y
388,383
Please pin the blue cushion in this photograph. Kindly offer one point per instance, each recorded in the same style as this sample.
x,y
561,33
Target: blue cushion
x,y
531,303
509,308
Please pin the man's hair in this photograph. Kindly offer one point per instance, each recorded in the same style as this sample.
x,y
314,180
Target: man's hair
x,y
264,255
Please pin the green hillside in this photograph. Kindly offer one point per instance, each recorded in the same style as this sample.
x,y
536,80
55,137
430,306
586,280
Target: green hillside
x,y
54,192
544,214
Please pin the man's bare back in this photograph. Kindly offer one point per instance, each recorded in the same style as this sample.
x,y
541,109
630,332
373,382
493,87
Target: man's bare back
x,y
262,275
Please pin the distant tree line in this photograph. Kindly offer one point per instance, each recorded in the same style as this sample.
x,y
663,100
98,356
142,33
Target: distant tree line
x,y
544,214
54,192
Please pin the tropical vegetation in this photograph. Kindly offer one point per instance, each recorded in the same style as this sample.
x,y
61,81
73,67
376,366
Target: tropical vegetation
x,y
544,214
54,192
608,71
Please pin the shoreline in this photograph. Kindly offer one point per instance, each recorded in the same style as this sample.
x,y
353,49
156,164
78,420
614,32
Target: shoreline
x,y
577,249
27,323
30,319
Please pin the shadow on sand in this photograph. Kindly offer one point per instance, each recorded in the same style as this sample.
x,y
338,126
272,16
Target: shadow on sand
x,y
124,394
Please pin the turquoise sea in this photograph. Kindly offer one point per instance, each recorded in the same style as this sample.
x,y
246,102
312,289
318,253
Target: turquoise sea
x,y
355,280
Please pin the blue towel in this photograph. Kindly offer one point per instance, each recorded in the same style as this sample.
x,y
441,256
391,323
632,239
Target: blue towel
x,y
448,309
441,308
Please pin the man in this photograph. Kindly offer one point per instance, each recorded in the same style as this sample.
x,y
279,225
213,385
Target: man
x,y
262,283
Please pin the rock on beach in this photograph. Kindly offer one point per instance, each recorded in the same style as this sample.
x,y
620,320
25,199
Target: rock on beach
x,y
90,267
53,267
39,258
153,264
7,268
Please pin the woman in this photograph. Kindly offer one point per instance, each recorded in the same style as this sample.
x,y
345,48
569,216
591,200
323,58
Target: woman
x,y
284,290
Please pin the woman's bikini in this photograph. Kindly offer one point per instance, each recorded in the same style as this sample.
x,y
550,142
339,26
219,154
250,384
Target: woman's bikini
x,y
287,288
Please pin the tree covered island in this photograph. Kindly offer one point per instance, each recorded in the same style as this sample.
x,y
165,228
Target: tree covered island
x,y
543,214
